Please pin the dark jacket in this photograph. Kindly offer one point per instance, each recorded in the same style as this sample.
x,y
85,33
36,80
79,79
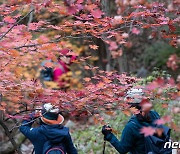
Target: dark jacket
x,y
131,139
54,133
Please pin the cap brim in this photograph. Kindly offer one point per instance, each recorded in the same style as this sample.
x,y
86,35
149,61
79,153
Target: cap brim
x,y
59,120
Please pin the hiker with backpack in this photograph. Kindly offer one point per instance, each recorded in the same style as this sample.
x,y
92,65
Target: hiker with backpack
x,y
51,137
132,140
65,59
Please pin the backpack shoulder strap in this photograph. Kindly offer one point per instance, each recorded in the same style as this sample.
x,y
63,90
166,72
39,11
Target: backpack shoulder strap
x,y
61,67
155,115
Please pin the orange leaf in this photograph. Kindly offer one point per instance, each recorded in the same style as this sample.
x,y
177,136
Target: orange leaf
x,y
2,108
96,121
174,126
100,85
134,110
126,112
14,53
95,47
106,80
86,67
87,79
110,113
18,71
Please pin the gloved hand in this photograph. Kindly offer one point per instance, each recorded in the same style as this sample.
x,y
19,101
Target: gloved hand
x,y
31,116
106,130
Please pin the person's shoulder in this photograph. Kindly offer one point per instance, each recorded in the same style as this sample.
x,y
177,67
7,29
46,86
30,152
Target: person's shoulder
x,y
154,114
65,128
132,124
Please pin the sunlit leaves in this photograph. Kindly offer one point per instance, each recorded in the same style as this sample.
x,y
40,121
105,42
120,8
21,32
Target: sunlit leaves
x,y
173,62
14,53
135,31
9,19
95,47
87,79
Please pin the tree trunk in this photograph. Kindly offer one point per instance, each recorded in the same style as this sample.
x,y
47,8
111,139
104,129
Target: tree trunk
x,y
11,145
7,147
106,8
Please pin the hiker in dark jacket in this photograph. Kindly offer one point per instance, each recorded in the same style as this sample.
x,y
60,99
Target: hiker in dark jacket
x,y
51,129
131,139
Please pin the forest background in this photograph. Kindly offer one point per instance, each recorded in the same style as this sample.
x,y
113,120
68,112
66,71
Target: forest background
x,y
119,44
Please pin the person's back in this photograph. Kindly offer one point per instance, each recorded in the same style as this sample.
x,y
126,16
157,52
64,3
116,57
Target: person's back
x,y
135,124
64,61
50,130
132,140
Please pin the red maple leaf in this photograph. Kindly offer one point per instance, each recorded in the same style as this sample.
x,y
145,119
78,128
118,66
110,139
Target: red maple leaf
x,y
96,13
33,26
95,47
72,9
160,121
47,3
113,46
79,1
148,131
135,31
9,19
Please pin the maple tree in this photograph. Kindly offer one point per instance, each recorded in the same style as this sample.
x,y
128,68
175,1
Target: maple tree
x,y
33,30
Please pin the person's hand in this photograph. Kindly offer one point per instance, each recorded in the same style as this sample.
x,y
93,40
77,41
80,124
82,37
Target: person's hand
x,y
38,111
106,130
31,116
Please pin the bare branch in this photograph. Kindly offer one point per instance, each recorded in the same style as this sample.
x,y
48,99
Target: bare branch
x,y
31,15
15,25
53,41
10,137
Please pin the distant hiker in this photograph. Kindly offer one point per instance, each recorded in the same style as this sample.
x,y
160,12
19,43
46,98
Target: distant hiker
x,y
64,61
62,66
51,137
131,139
46,74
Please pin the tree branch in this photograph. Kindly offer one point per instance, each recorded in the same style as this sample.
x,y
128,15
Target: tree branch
x,y
31,15
10,137
15,25
53,41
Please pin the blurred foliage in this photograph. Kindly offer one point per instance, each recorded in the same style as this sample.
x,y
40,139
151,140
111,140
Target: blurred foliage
x,y
157,54
154,75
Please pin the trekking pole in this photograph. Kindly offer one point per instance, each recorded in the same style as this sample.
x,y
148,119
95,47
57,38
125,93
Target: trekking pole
x,y
104,146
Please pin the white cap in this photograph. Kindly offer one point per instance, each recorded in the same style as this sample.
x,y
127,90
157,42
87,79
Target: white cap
x,y
50,108
135,94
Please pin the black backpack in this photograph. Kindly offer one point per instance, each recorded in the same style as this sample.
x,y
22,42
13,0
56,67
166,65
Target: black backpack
x,y
47,74
155,144
51,148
